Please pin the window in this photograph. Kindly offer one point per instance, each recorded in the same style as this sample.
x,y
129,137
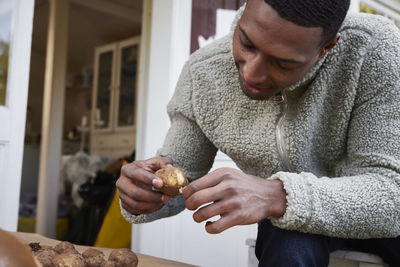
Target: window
x,y
204,18
6,11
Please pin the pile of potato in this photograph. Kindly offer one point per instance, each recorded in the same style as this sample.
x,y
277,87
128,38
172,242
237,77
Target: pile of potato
x,y
65,255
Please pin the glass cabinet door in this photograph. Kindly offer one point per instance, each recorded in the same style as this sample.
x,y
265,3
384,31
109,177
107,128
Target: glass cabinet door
x,y
104,83
6,12
128,72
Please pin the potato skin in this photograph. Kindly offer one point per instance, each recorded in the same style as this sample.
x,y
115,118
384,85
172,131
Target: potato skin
x,y
45,256
93,257
92,252
68,260
95,261
65,247
171,184
124,257
109,264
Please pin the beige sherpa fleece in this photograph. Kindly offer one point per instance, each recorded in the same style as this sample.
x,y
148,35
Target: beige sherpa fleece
x,y
336,149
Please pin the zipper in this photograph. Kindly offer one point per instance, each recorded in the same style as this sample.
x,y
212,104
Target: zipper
x,y
281,143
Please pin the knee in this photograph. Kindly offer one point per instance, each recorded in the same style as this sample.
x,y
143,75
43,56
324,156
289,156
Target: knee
x,y
277,247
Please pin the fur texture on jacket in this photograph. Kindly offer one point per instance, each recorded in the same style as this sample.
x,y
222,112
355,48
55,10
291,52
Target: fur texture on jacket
x,y
336,148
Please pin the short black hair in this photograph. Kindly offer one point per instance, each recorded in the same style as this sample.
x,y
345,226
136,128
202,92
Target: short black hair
x,y
328,14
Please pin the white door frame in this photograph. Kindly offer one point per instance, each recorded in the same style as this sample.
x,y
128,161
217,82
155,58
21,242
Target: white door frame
x,y
354,6
165,46
52,117
13,115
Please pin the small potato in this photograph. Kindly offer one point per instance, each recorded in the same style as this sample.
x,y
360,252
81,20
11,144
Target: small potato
x,y
109,264
35,246
174,180
123,257
65,247
45,256
68,260
91,252
93,257
95,261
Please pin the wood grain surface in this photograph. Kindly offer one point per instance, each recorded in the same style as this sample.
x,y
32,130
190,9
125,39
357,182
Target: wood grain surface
x,y
144,260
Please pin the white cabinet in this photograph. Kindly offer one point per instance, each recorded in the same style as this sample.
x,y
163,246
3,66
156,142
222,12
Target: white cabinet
x,y
113,116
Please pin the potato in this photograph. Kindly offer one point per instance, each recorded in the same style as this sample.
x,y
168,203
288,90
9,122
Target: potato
x,y
92,252
109,264
65,247
124,257
45,256
65,255
93,257
174,180
35,246
68,260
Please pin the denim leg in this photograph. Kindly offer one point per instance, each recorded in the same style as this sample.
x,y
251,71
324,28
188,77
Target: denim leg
x,y
278,247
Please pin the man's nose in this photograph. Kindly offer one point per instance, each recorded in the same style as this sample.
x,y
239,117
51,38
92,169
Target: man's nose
x,y
255,71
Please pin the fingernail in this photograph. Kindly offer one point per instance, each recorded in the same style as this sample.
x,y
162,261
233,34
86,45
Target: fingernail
x,y
157,183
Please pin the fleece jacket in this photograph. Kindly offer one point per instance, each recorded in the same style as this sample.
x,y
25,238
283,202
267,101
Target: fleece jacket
x,y
334,141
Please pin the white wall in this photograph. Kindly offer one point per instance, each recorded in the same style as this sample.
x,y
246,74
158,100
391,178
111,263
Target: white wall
x,y
177,238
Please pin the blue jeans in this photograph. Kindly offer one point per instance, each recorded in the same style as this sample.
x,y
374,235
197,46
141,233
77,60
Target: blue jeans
x,y
278,247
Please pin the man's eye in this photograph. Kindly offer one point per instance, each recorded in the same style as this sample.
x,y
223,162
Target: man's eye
x,y
283,66
246,45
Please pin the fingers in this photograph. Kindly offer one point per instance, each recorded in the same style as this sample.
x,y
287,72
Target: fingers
x,y
136,183
137,200
217,208
199,198
139,207
155,163
208,180
143,171
136,192
222,224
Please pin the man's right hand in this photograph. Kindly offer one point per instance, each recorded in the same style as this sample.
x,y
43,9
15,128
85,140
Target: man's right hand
x,y
136,182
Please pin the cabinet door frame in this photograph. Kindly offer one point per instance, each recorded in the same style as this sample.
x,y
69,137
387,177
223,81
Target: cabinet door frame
x,y
13,113
121,45
98,51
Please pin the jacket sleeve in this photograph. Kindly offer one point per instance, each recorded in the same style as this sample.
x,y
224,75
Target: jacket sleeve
x,y
185,144
363,200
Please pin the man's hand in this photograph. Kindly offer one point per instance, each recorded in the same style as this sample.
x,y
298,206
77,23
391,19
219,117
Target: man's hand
x,y
239,199
135,186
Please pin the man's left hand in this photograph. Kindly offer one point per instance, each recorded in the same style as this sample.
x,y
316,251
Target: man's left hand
x,y
239,198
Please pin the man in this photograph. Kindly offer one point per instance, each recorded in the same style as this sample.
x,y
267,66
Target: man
x,y
311,116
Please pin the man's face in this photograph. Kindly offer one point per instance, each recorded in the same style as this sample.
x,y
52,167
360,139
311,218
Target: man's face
x,y
272,53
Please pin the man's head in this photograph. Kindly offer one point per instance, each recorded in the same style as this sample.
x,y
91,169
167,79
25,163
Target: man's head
x,y
277,41
313,13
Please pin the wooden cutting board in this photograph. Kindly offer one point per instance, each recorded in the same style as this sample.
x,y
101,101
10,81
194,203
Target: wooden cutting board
x,y
144,260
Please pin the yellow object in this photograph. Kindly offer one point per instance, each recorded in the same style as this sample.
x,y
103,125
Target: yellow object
x,y
115,232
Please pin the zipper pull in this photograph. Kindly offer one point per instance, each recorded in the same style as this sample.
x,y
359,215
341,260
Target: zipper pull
x,y
280,98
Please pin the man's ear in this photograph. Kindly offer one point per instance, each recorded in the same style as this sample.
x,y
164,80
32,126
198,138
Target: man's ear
x,y
328,46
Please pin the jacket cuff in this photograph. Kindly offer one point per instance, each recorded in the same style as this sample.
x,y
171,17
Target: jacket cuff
x,y
299,201
133,218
